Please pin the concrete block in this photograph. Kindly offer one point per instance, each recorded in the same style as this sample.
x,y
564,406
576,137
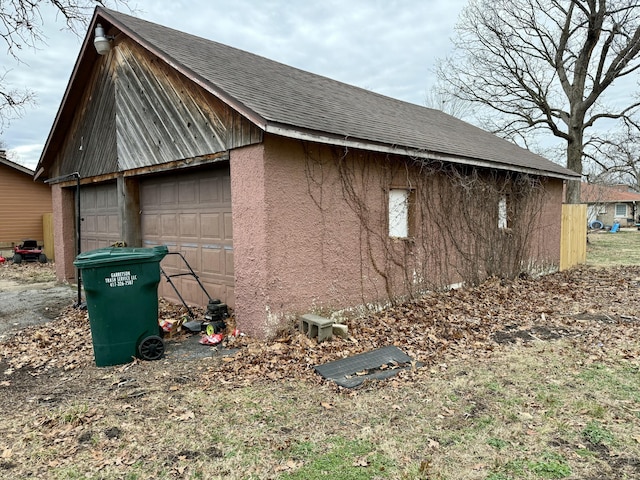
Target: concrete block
x,y
316,326
340,330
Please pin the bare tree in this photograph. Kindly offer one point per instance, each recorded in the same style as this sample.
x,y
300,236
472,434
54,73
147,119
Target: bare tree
x,y
440,99
617,160
545,65
21,26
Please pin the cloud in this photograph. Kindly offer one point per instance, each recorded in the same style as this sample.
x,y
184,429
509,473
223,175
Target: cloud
x,y
383,45
26,155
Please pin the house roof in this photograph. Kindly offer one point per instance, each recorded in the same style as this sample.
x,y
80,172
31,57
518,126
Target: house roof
x,y
287,101
598,193
5,161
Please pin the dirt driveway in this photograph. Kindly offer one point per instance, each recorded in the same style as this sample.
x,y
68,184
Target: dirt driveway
x,y
37,300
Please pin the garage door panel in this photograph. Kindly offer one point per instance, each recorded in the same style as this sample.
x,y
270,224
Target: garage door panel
x,y
189,225
228,226
228,256
90,245
150,193
114,225
213,261
167,194
103,223
88,223
187,192
99,210
150,224
210,226
226,190
190,253
169,225
209,191
188,213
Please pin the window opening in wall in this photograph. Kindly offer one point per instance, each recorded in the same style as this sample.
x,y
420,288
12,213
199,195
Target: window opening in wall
x,y
503,217
400,216
621,209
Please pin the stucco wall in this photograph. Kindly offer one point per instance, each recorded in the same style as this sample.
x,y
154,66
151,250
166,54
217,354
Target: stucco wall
x,y
299,245
249,239
546,241
64,232
290,254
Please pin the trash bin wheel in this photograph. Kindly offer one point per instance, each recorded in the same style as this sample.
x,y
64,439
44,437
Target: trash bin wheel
x,y
151,348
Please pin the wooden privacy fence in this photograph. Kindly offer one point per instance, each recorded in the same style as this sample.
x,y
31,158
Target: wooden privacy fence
x,y
47,233
573,237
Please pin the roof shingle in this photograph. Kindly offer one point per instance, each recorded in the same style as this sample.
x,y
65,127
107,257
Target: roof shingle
x,y
290,101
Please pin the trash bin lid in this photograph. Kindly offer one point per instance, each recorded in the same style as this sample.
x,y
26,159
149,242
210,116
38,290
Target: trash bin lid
x,y
103,256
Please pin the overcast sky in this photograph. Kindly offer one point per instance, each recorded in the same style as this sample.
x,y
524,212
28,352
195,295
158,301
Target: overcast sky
x,y
388,46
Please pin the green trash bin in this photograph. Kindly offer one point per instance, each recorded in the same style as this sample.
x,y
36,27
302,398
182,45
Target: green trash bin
x,y
121,290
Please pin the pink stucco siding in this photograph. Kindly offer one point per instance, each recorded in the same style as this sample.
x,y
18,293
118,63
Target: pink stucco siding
x,y
64,232
300,246
548,231
250,239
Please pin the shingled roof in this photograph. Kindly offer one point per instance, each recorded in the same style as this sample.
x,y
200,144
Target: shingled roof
x,y
287,101
597,193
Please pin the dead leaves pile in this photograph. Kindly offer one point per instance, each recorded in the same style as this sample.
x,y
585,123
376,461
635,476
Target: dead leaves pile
x,y
596,309
33,272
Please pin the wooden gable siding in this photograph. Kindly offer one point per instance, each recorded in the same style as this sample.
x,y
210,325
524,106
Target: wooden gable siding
x,y
23,204
163,116
138,112
90,144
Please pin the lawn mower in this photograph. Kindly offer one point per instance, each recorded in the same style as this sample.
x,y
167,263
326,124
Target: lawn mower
x,y
29,251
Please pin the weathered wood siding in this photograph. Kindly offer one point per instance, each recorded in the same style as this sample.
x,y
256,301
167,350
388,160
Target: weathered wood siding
x,y
163,116
139,112
90,145
22,204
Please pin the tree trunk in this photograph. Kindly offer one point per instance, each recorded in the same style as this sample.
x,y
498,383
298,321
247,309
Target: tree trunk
x,y
574,162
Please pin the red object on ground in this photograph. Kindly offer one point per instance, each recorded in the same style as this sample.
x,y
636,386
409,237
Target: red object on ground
x,y
212,339
2,259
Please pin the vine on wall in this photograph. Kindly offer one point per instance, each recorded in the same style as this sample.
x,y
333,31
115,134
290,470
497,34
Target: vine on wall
x,y
456,234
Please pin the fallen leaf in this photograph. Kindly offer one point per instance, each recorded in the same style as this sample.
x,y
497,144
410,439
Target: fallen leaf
x,y
326,405
361,462
188,415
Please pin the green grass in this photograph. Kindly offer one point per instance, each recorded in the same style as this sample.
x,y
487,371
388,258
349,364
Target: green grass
x,y
338,457
609,249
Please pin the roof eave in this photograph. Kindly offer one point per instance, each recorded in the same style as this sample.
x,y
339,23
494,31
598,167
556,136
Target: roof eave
x,y
80,61
16,166
320,137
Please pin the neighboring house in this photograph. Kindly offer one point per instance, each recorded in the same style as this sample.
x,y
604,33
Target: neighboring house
x,y
22,204
610,203
287,192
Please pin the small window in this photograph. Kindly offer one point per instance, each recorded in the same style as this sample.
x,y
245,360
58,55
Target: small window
x,y
621,209
503,217
400,200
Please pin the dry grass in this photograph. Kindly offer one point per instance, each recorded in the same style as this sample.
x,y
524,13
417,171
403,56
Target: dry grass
x,y
564,408
609,249
523,412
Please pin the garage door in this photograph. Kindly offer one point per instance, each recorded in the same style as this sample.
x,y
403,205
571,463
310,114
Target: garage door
x,y
100,226
191,214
